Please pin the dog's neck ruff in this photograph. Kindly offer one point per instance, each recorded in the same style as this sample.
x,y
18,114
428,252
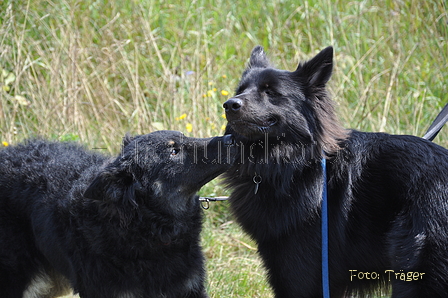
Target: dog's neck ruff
x,y
325,270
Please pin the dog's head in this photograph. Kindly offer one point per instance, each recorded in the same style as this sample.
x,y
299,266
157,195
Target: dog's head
x,y
163,167
282,104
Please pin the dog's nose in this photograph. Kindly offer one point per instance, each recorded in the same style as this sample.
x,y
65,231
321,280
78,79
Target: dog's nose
x,y
233,104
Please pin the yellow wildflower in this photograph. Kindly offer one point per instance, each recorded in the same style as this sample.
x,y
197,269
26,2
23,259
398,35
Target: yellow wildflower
x,y
224,92
223,116
183,116
223,127
224,76
210,93
189,127
4,143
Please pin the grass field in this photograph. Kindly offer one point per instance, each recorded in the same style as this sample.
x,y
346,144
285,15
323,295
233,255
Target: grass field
x,y
90,71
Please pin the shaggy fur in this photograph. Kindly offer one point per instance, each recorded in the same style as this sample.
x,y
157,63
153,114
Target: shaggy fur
x,y
124,227
387,194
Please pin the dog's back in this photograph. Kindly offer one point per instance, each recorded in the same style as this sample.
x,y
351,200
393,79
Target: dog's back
x,y
41,164
389,211
42,170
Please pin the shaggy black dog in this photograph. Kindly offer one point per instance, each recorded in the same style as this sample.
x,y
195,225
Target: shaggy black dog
x,y
106,227
387,194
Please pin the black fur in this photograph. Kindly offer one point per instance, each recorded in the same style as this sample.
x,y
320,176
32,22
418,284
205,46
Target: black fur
x,y
119,227
387,194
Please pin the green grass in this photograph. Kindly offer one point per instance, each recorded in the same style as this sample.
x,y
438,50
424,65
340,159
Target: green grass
x,y
93,70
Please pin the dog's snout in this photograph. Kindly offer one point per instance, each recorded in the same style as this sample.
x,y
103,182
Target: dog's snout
x,y
233,104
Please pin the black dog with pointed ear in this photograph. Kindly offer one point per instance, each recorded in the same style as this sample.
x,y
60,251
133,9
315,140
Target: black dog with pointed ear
x,y
106,227
387,194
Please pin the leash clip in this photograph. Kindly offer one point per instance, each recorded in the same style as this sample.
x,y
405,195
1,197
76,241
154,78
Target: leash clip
x,y
205,203
257,180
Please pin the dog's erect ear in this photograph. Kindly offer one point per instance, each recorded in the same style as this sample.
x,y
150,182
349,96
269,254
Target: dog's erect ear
x,y
318,70
258,58
127,139
112,185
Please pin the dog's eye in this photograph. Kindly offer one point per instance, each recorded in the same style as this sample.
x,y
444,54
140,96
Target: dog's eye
x,y
174,151
267,89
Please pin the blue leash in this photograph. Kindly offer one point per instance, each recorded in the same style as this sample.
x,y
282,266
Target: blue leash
x,y
325,271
